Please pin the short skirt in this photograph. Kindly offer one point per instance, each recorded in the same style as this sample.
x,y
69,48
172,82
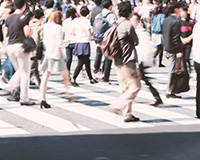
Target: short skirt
x,y
53,65
157,39
82,49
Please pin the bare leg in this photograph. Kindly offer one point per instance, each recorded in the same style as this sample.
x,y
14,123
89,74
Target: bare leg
x,y
43,85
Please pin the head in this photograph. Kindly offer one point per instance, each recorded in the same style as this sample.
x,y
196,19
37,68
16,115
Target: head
x,y
49,4
125,9
184,10
20,4
66,1
84,11
7,11
38,14
158,9
56,17
97,2
107,4
135,20
71,12
174,8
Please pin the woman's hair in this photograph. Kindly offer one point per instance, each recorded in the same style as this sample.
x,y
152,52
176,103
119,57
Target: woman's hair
x,y
71,12
158,9
125,9
56,17
106,3
184,6
84,11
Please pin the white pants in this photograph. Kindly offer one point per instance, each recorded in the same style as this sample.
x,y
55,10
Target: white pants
x,y
21,64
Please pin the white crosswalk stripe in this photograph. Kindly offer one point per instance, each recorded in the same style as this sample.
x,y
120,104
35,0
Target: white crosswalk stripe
x,y
91,105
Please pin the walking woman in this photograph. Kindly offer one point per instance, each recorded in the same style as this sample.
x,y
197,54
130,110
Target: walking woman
x,y
156,29
82,47
53,60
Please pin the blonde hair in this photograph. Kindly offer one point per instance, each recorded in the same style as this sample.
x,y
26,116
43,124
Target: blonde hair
x,y
56,17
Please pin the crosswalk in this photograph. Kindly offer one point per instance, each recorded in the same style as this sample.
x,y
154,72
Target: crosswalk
x,y
90,109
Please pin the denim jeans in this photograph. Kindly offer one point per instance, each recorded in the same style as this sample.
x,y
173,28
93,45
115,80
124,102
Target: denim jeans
x,y
69,54
8,68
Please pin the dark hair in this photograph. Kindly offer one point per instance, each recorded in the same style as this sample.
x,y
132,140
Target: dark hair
x,y
97,2
157,10
184,6
19,3
173,5
71,12
125,9
12,9
58,6
49,3
38,13
137,15
84,11
106,3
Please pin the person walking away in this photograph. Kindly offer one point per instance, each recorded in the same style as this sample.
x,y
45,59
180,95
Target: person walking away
x,y
157,20
111,19
53,58
145,58
17,29
67,29
37,29
172,42
82,31
196,58
125,65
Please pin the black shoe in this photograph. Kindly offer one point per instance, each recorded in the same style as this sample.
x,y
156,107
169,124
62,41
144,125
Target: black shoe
x,y
156,103
131,118
44,104
161,65
172,96
13,99
74,84
93,81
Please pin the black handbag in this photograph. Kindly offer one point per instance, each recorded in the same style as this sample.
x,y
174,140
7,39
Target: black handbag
x,y
179,81
29,45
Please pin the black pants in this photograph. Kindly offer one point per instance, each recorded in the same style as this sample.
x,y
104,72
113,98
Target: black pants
x,y
34,71
151,88
186,56
160,52
106,65
83,59
197,68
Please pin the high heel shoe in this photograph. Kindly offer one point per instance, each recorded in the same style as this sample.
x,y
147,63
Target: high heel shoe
x,y
44,104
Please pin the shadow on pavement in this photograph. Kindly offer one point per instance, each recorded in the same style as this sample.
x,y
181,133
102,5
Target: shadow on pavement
x,y
154,146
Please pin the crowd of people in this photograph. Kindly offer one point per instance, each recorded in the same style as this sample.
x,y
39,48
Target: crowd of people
x,y
145,30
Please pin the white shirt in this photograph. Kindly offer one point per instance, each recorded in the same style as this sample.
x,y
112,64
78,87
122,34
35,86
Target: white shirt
x,y
67,29
53,40
81,27
196,42
145,10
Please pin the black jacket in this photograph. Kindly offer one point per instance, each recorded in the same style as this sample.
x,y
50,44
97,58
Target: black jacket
x,y
171,35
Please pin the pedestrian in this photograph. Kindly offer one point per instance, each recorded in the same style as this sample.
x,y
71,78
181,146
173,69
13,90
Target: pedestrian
x,y
186,25
125,65
172,42
82,31
145,58
53,58
111,19
37,29
196,58
17,29
157,20
67,29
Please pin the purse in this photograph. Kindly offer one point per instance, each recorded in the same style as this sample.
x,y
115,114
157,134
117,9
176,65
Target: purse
x,y
29,45
179,81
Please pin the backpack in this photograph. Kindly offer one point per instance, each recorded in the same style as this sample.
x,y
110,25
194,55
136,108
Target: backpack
x,y
111,46
100,26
